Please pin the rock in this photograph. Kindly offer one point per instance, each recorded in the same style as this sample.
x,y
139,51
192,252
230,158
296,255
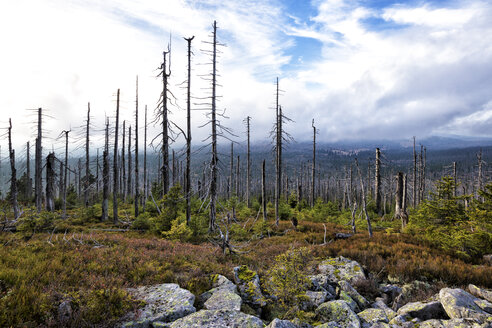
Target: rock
x,y
330,324
432,323
277,323
380,325
379,304
408,292
65,312
248,284
358,298
159,324
488,259
390,292
484,305
339,312
165,303
301,324
461,305
479,292
341,235
423,311
218,318
224,299
351,303
372,316
219,282
313,300
340,268
400,319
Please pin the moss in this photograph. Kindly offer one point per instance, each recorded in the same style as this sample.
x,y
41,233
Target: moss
x,y
245,274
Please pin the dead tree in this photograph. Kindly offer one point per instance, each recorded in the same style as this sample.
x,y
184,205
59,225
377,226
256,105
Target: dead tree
x,y
50,182
166,73
313,175
97,172
188,137
231,174
454,179
137,191
263,191
123,167
13,175
480,172
377,184
38,164
237,191
115,161
414,175
105,195
400,207
145,162
65,170
248,160
28,173
87,172
129,175
278,152
364,204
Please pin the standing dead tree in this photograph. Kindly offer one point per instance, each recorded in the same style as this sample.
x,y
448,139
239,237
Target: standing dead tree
x,y
188,136
28,173
313,172
129,175
137,190
123,167
38,164
263,191
480,172
64,178
13,175
247,121
50,182
166,73
105,172
377,184
401,202
414,175
145,162
115,160
364,204
87,172
213,162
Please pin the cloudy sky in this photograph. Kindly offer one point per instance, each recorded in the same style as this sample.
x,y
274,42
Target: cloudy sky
x,y
363,69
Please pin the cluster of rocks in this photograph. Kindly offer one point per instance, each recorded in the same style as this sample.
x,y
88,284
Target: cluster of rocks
x,y
331,298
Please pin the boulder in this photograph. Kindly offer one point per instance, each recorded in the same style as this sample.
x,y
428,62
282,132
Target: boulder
x,y
164,303
380,325
351,303
330,324
462,305
358,298
390,292
219,283
277,323
371,316
248,284
432,323
423,311
340,268
65,312
479,292
223,299
339,312
313,300
218,318
380,304
301,324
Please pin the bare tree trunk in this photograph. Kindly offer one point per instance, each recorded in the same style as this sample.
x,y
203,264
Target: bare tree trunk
x,y
231,174
188,136
145,162
314,165
13,175
213,163
404,202
454,179
37,173
105,195
165,123
86,181
123,162
79,179
400,207
115,161
28,173
364,207
137,191
64,202
129,175
248,162
50,182
263,191
237,191
97,173
423,173
377,184
414,175
480,171
278,148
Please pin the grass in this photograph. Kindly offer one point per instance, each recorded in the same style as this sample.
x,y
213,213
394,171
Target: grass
x,y
93,269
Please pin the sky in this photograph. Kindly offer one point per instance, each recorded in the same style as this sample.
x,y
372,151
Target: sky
x,y
362,69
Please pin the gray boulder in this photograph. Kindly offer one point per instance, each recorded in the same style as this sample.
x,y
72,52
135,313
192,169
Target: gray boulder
x,y
219,283
341,268
164,303
277,323
350,302
313,300
423,311
330,324
479,292
371,316
223,299
248,284
462,305
218,318
358,298
380,304
65,311
339,312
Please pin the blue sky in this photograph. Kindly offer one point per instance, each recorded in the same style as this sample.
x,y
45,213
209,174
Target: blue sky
x,y
362,69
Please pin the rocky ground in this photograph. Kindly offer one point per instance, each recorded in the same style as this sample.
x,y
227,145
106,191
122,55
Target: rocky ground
x,y
330,297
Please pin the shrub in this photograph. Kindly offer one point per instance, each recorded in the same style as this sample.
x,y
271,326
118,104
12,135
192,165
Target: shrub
x,y
179,230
